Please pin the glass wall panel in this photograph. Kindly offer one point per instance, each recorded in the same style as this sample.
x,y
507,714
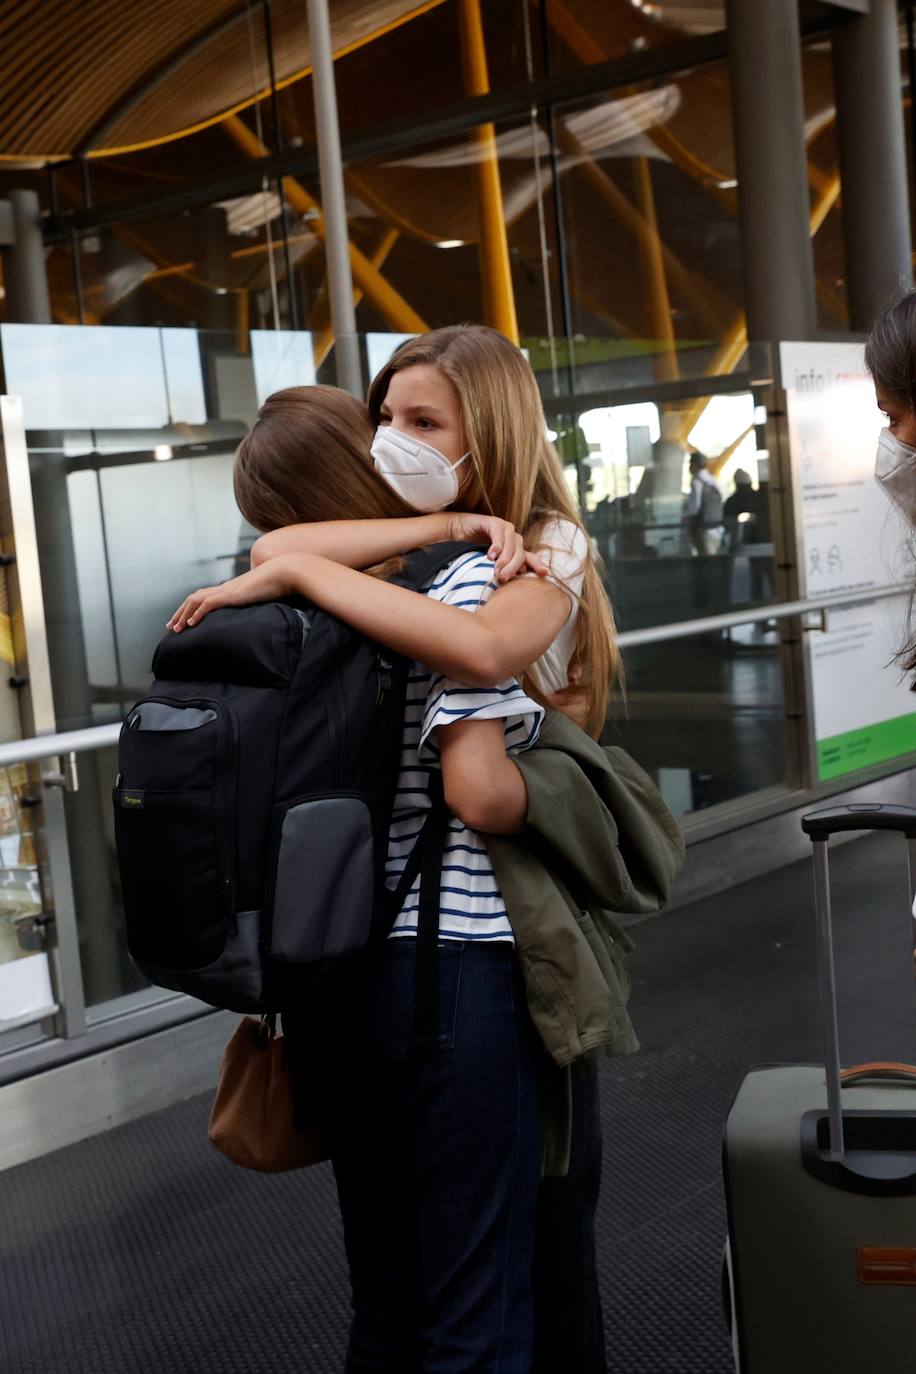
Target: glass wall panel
x,y
583,32
425,208
131,436
706,716
827,238
414,68
224,266
651,231
677,543
27,987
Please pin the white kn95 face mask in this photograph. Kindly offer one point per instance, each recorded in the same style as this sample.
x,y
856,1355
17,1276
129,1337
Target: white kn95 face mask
x,y
895,470
419,473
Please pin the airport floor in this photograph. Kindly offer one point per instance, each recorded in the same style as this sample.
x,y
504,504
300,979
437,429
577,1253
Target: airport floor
x,y
143,1251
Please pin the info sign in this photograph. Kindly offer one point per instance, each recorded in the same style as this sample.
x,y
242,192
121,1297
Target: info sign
x,y
851,540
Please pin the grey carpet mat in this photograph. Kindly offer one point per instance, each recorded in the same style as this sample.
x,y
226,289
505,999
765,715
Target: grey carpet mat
x,y
143,1251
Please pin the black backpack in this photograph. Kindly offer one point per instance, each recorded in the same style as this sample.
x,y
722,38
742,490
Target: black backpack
x,y
254,797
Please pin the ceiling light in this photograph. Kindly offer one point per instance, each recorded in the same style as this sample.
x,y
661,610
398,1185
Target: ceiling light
x,y
162,453
248,214
450,243
728,184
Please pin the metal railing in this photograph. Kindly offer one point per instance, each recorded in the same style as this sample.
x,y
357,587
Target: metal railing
x,y
103,736
783,610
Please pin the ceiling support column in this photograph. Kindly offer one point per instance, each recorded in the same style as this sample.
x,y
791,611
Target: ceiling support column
x,y
764,53
872,149
24,274
333,201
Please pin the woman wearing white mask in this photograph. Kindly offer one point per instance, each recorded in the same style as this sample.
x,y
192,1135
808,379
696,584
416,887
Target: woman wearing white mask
x,y
458,417
890,356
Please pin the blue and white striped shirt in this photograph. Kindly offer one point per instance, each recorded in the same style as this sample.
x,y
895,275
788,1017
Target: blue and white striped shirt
x,y
471,905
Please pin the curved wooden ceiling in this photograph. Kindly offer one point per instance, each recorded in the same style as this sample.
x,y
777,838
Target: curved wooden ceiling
x,y
110,76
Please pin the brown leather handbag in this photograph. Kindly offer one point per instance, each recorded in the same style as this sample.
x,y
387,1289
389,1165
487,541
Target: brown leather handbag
x,y
251,1121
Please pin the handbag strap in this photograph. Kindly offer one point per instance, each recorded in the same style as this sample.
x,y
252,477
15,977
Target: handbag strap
x,y
426,988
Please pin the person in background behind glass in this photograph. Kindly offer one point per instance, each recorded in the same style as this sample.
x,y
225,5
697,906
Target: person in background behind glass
x,y
741,502
703,508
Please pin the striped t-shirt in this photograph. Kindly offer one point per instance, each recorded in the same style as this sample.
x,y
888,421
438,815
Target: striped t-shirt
x,y
470,904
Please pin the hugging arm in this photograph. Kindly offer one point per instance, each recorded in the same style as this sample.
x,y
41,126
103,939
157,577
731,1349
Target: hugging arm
x,y
483,787
363,543
354,543
501,640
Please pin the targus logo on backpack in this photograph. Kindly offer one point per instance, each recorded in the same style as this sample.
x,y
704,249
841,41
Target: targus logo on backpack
x,y
132,801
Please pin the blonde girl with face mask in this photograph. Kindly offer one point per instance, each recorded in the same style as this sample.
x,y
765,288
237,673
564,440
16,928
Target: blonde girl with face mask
x,y
469,394
440,1225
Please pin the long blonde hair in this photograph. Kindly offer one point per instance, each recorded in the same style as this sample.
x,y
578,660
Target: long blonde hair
x,y
515,471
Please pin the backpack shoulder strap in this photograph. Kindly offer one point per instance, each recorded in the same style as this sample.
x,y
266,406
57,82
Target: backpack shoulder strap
x,y
421,565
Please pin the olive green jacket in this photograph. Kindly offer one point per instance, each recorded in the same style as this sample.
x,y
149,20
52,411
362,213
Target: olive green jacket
x,y
598,839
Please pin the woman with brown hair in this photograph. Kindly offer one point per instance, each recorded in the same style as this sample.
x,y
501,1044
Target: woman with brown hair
x,y
440,1212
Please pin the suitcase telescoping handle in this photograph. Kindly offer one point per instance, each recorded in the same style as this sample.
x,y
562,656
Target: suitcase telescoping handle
x,y
820,825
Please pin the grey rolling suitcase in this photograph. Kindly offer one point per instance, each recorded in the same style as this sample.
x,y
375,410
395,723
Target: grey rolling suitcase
x,y
820,1184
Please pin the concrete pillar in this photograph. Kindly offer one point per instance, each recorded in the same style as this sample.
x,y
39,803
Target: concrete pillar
x,y
24,275
764,52
333,200
872,149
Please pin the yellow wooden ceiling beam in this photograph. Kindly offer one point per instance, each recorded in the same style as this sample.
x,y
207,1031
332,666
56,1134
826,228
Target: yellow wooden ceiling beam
x,y
495,266
732,347
389,302
665,364
325,342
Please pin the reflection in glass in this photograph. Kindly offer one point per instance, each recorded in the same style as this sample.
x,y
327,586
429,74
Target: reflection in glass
x,y
664,562
281,358
131,436
706,716
25,982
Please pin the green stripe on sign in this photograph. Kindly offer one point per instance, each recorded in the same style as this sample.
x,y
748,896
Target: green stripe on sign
x,y
889,739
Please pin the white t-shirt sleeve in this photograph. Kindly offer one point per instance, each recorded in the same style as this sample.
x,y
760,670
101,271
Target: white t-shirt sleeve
x,y
469,582
563,546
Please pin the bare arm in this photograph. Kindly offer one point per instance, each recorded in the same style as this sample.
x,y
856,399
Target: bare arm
x,y
483,787
501,640
363,543
354,543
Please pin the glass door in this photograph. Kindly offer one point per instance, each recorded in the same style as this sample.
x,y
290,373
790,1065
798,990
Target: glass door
x,y
127,446
39,993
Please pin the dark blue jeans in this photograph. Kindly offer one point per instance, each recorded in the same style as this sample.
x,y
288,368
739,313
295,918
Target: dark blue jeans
x,y
436,1161
569,1330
